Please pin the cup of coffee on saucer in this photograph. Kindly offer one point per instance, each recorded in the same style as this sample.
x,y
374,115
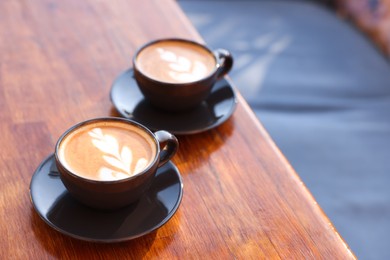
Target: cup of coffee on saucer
x,y
178,74
108,163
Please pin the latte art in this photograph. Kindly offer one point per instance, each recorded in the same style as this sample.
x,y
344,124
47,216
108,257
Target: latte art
x,y
175,62
181,68
119,158
107,151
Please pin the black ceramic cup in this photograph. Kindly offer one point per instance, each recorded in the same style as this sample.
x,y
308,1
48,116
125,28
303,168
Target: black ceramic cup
x,y
178,74
108,163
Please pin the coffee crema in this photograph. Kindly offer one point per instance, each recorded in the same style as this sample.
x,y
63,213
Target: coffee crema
x,y
107,151
175,62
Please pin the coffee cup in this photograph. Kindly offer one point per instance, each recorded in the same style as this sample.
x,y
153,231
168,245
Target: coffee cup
x,y
178,74
108,163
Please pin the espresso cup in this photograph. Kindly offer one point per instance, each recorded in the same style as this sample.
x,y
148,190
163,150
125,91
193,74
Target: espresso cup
x,y
178,74
108,163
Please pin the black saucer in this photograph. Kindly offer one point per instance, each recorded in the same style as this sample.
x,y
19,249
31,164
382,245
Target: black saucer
x,y
130,103
58,209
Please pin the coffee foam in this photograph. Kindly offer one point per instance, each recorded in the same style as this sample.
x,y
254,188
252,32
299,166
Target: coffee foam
x,y
107,151
175,62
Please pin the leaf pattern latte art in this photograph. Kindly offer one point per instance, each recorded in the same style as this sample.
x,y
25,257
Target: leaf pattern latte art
x,y
120,159
181,68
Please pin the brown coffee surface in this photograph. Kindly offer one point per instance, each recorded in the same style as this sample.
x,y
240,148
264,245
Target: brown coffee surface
x,y
107,151
175,62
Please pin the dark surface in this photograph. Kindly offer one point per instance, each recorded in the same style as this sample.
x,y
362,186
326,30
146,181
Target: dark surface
x,y
323,92
130,103
59,210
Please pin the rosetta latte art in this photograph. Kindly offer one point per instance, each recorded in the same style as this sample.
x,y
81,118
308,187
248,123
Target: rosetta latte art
x,y
120,159
181,68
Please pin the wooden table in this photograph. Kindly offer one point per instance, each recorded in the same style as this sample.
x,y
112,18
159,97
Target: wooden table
x,y
241,197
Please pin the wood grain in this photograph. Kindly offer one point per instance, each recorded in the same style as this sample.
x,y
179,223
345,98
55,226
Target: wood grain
x,y
241,198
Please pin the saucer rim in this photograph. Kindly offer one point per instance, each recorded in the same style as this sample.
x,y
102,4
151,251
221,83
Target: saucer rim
x,y
163,221
220,121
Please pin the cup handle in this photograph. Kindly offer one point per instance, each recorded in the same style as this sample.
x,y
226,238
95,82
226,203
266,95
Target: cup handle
x,y
224,62
168,146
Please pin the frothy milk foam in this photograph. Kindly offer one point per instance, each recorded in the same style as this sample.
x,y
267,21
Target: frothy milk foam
x,y
175,62
107,151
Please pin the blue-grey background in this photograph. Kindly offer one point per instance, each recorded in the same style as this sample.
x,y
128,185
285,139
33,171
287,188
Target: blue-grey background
x,y
322,90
